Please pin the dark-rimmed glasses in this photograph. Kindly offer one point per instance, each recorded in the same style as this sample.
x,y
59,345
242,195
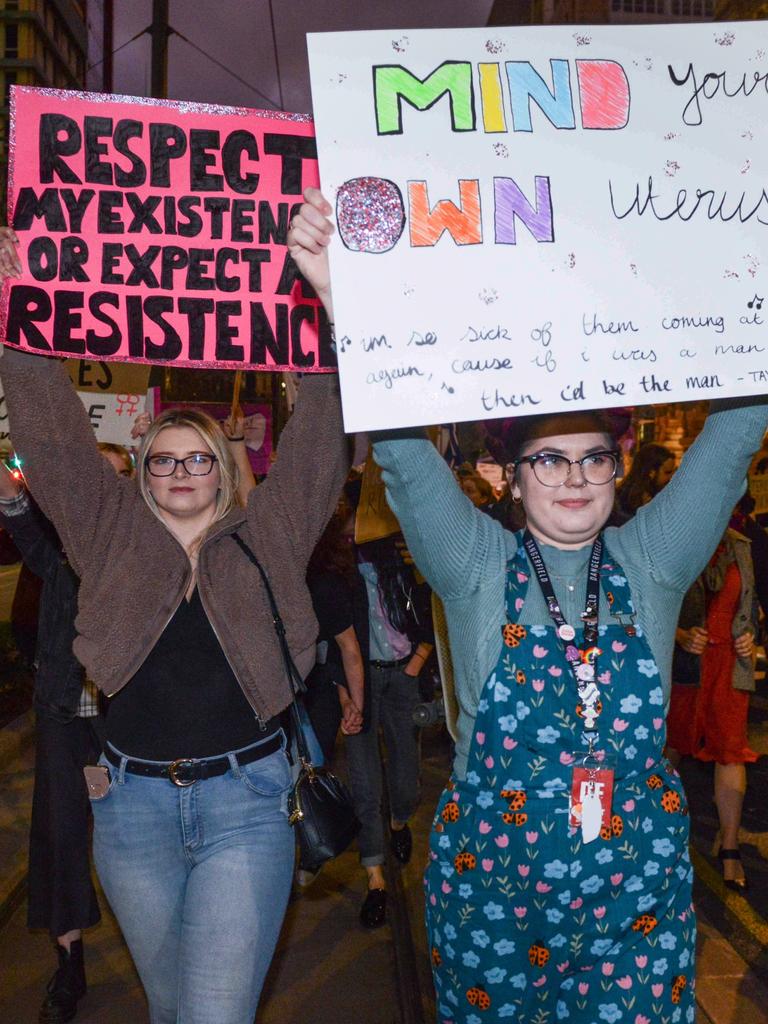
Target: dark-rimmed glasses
x,y
198,464
553,470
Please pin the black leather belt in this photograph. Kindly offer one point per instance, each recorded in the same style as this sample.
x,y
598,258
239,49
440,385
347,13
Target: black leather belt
x,y
186,770
391,664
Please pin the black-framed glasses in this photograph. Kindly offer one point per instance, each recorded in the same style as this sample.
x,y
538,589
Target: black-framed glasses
x,y
553,470
198,464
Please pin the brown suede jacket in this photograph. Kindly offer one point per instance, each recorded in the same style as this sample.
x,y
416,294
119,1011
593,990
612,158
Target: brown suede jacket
x,y
134,573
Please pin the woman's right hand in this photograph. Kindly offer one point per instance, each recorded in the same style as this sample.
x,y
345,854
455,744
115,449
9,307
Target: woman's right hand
x,y
10,264
693,640
308,240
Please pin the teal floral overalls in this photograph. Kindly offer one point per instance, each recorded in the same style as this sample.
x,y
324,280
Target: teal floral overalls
x,y
526,923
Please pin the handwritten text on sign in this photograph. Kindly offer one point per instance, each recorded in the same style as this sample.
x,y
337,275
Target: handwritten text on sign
x,y
543,218
155,232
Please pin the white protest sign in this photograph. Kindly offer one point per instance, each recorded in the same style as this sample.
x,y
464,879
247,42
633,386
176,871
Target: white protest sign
x,y
112,415
113,394
531,219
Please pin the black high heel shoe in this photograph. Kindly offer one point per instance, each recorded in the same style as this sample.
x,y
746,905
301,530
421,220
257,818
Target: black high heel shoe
x,y
740,885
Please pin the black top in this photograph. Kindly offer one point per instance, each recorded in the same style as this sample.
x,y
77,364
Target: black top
x,y
333,604
340,603
184,701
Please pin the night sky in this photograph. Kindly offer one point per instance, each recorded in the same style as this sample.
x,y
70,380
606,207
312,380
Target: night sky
x,y
238,33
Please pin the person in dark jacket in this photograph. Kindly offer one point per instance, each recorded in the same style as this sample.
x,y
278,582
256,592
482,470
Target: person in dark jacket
x,y
69,736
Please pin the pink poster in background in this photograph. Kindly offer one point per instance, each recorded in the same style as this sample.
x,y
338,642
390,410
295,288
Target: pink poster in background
x,y
258,426
154,231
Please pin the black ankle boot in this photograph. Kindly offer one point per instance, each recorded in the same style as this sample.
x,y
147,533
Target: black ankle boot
x,y
65,987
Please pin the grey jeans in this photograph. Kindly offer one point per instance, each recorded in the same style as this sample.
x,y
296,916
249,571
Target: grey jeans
x,y
393,696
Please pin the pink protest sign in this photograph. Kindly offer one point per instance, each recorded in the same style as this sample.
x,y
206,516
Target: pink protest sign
x,y
154,232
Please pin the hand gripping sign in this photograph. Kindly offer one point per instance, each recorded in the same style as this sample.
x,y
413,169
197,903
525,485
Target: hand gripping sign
x,y
154,231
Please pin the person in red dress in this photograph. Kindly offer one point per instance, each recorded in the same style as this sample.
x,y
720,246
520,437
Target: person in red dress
x,y
712,677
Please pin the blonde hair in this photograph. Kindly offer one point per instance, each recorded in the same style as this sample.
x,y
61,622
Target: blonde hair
x,y
109,448
213,437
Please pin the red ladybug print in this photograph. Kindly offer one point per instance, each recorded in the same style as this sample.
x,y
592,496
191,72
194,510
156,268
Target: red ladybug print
x,y
678,985
514,819
464,862
671,801
538,954
450,812
645,924
516,797
478,997
654,782
513,633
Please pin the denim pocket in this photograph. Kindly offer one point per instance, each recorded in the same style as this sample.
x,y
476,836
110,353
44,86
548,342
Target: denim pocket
x,y
270,776
104,763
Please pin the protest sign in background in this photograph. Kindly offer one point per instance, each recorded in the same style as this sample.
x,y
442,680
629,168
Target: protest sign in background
x,y
154,231
258,425
540,218
113,394
112,415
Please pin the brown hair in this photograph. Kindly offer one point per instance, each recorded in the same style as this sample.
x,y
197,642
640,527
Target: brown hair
x,y
108,448
505,439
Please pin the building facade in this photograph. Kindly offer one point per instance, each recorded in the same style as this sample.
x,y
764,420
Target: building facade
x,y
602,12
42,42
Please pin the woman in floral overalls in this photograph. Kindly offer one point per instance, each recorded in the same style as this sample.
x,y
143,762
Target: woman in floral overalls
x,y
558,882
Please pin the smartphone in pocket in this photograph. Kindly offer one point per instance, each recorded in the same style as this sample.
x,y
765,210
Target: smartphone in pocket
x,y
97,779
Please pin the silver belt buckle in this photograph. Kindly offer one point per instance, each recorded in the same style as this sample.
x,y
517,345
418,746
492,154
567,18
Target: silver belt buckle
x,y
174,766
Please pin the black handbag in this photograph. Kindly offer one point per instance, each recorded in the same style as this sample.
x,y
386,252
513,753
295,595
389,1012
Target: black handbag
x,y
319,805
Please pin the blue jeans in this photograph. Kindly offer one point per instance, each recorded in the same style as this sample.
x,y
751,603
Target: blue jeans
x,y
198,878
393,697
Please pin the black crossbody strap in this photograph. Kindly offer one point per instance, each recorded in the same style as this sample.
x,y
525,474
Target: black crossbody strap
x,y
294,677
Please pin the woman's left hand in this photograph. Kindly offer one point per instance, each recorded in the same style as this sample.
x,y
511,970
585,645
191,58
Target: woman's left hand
x,y
744,644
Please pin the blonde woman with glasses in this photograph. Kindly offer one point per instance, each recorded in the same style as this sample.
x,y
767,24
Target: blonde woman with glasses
x,y
191,837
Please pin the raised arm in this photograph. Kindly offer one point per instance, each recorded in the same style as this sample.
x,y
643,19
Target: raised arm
x,y
451,542
31,533
304,484
680,528
454,545
234,427
74,486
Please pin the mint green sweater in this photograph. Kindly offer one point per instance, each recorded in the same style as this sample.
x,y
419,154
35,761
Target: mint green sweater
x,y
463,553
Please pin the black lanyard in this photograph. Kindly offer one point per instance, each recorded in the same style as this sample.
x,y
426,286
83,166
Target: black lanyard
x,y
586,654
590,614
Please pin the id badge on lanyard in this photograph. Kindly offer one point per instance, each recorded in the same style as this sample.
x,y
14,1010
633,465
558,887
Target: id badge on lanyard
x,y
593,771
591,793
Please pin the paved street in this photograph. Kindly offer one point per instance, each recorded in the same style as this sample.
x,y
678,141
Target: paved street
x,y
328,970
